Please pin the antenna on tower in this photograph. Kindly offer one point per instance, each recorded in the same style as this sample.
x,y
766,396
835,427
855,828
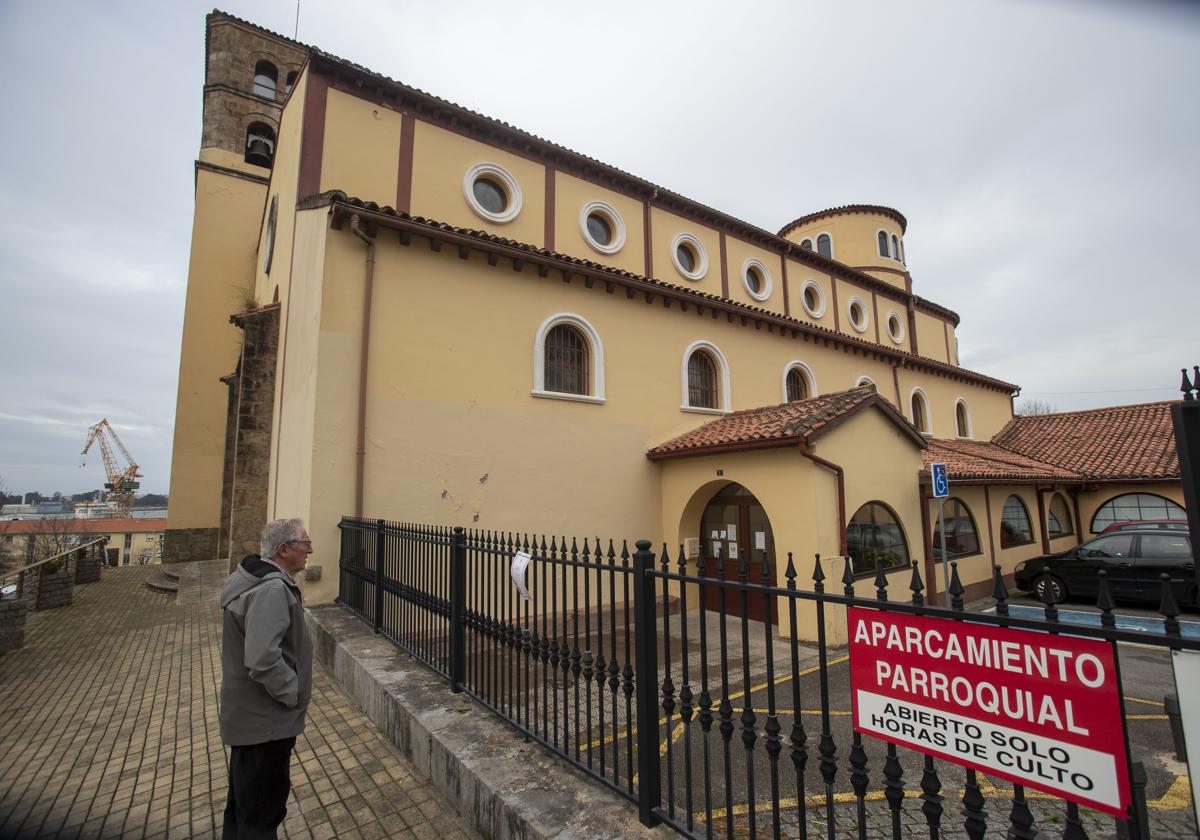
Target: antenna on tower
x,y
296,31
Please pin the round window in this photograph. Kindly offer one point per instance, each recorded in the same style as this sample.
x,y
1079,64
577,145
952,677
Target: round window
x,y
490,195
895,328
814,299
492,192
858,314
689,256
602,227
757,279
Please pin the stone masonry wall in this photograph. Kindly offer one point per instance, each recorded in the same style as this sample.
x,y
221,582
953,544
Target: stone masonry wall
x,y
12,624
252,454
56,589
231,414
230,103
182,545
87,568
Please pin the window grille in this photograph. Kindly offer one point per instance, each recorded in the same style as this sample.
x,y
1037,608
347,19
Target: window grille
x,y
797,385
702,381
567,364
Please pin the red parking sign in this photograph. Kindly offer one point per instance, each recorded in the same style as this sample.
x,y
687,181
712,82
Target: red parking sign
x,y
1036,709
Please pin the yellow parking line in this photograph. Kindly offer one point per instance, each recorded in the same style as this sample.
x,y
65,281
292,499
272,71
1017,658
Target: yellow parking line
x,y
1145,717
1147,702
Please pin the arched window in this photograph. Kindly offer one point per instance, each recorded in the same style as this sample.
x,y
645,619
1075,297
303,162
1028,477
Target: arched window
x,y
290,82
702,381
919,408
260,144
1014,523
1133,507
705,378
864,381
266,79
962,537
895,247
1058,518
568,359
962,419
883,244
825,245
806,244
798,382
875,540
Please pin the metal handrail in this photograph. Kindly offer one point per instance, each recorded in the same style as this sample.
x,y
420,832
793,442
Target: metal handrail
x,y
16,573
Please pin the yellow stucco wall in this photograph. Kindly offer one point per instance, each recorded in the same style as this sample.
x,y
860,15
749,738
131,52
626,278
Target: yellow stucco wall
x,y
664,227
855,243
361,152
931,337
441,159
571,194
798,276
284,173
987,411
737,252
220,283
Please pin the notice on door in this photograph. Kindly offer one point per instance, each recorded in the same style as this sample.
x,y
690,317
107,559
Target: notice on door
x,y
1036,709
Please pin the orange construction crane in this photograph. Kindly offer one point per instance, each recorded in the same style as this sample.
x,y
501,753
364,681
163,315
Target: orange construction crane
x,y
121,483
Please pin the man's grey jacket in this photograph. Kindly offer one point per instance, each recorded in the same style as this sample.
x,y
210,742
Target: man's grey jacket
x,y
266,656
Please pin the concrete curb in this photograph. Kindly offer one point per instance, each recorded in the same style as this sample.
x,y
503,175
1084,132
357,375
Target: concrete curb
x,y
506,788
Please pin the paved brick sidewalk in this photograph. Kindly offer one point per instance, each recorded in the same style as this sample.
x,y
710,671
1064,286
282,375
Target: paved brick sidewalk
x,y
108,728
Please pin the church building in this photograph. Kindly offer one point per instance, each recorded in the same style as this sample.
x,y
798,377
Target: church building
x,y
400,308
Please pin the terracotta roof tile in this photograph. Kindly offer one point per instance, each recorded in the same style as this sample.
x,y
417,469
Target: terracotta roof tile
x,y
1121,442
845,208
128,525
970,460
788,424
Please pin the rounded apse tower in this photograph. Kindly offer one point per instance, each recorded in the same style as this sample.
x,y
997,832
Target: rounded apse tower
x,y
864,236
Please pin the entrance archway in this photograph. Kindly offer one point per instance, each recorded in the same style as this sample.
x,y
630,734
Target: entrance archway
x,y
735,526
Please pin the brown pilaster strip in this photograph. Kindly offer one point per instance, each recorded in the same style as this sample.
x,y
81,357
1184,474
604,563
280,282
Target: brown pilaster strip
x,y
912,327
404,172
787,306
724,269
987,509
312,135
647,235
875,307
837,312
550,212
1041,500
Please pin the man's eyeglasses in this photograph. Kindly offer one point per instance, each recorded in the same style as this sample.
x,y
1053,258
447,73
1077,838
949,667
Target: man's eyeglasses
x,y
305,543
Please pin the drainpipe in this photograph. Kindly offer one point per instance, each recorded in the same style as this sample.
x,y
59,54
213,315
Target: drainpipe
x,y
360,453
841,488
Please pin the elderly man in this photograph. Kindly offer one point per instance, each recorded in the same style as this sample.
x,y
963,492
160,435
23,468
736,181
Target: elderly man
x,y
266,678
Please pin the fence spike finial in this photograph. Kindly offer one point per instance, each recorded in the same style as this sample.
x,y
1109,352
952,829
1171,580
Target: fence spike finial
x,y
789,573
955,589
847,580
1168,607
1049,595
916,586
999,591
818,575
1185,387
881,584
1104,601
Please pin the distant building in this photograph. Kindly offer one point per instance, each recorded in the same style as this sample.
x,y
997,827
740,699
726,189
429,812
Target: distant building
x,y
131,541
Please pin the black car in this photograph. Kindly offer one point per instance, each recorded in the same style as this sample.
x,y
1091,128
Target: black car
x,y
1133,562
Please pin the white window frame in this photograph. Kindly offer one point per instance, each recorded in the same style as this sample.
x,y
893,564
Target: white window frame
x,y
920,392
805,371
764,272
896,339
970,422
605,209
820,310
887,239
723,385
866,380
596,361
850,313
506,180
701,256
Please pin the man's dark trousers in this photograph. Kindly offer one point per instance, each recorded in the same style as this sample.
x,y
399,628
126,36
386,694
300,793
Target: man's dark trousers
x,y
259,783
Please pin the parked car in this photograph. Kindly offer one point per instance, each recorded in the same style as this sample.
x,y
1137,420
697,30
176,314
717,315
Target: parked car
x,y
1133,561
1140,524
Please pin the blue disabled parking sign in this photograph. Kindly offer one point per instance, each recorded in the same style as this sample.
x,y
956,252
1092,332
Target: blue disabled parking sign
x,y
941,481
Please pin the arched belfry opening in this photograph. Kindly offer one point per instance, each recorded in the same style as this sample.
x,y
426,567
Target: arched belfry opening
x,y
736,540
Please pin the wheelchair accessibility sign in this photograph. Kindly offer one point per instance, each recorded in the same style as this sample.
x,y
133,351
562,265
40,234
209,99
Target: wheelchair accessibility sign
x,y
941,481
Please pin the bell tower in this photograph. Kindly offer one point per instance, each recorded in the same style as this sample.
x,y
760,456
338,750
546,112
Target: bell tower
x,y
248,74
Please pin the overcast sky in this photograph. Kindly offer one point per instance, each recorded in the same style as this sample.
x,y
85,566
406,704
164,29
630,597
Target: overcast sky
x,y
1044,153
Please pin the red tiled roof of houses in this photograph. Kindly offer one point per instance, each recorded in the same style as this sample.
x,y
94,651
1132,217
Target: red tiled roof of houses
x,y
1133,442
790,424
127,525
981,461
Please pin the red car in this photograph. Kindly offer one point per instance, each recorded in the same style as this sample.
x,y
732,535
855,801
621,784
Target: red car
x,y
1139,524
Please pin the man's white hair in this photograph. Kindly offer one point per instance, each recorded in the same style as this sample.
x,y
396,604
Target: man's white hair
x,y
276,534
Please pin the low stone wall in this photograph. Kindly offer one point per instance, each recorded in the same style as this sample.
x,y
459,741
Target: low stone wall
x,y
87,568
183,545
56,589
12,624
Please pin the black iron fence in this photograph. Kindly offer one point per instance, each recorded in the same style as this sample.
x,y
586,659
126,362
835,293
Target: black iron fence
x,y
649,674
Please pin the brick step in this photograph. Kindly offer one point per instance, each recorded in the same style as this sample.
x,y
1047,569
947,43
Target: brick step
x,y
161,582
171,575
